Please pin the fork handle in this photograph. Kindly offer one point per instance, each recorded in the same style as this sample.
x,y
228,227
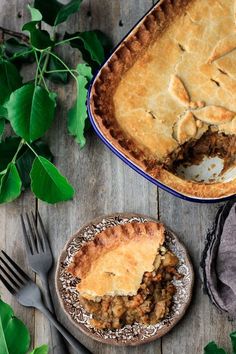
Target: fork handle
x,y
81,349
59,345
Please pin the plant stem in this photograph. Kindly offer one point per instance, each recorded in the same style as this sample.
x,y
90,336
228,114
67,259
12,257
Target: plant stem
x,y
30,147
66,40
44,66
22,142
64,64
1,37
38,66
19,35
39,70
21,54
53,32
43,70
58,71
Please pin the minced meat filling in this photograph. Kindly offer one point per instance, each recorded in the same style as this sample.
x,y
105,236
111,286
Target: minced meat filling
x,y
211,144
151,304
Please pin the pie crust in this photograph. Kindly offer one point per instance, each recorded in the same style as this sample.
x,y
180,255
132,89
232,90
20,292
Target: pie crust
x,y
126,275
115,261
169,82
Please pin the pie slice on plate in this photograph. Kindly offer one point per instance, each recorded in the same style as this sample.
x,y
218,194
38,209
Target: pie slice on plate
x,y
166,98
126,275
115,261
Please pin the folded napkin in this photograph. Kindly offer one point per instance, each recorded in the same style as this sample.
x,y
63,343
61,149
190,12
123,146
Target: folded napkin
x,y
219,260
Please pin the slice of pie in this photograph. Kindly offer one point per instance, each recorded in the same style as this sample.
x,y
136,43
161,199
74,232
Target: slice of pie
x,y
167,96
125,275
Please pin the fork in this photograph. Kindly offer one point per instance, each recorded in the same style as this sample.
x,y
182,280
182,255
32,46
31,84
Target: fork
x,y
40,260
28,294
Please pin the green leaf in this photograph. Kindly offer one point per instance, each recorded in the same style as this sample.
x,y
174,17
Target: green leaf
x,y
48,184
17,51
49,10
25,161
233,341
40,350
89,45
2,127
8,149
212,348
105,41
57,77
3,343
31,111
3,112
85,70
39,39
10,185
87,125
14,336
55,12
10,80
36,15
3,116
67,10
78,114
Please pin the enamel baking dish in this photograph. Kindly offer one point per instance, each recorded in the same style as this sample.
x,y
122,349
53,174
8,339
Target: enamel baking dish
x,y
204,170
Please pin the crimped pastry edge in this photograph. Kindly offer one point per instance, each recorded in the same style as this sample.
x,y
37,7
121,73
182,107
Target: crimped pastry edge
x,y
102,107
109,239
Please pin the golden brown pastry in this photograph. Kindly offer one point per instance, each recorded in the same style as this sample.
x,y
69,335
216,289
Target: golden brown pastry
x,y
115,261
126,275
172,81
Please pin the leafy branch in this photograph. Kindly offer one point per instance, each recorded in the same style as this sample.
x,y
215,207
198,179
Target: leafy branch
x,y
14,335
19,35
212,347
29,107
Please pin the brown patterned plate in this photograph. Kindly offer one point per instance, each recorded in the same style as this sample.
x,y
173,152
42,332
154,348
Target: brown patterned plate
x,y
130,334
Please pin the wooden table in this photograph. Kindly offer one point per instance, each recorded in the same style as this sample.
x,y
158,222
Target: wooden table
x,y
104,184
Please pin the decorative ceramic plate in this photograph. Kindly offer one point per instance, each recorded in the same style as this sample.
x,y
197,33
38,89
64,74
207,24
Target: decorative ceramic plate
x,y
130,334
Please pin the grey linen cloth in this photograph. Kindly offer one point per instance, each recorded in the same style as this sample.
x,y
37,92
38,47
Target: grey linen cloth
x,y
219,260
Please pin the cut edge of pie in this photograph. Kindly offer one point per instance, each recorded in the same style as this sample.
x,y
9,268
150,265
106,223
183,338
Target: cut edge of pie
x,y
199,115
114,262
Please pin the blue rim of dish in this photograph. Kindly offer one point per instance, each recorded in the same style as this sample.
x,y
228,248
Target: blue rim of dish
x,y
124,158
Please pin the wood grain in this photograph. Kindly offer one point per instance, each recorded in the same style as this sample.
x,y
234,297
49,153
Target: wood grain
x,y
203,323
105,185
12,16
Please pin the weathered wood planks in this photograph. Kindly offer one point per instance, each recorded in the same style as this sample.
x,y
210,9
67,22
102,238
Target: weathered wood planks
x,y
104,185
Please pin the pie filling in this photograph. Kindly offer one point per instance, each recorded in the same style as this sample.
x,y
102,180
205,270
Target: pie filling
x,y
211,144
149,306
126,275
167,95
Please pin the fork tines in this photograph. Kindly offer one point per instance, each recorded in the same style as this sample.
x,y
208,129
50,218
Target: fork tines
x,y
35,241
12,276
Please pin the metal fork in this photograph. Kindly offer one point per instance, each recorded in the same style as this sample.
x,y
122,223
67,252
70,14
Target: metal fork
x,y
40,260
28,294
